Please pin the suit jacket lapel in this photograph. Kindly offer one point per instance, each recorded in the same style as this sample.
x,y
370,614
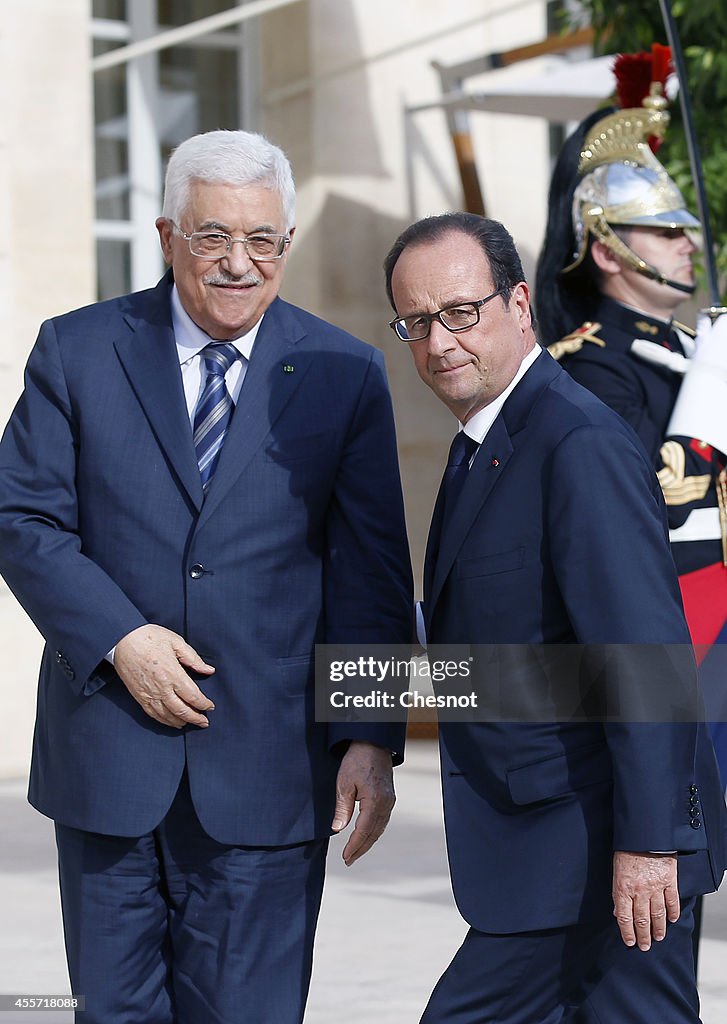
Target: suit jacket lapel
x,y
149,357
277,367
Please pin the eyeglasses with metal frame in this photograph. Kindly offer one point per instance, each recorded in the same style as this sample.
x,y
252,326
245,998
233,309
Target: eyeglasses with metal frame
x,y
261,246
454,318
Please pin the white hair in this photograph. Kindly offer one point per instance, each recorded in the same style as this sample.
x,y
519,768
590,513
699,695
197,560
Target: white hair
x,y
230,158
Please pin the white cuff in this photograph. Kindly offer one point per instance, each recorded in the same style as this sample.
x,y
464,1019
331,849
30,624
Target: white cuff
x,y
420,627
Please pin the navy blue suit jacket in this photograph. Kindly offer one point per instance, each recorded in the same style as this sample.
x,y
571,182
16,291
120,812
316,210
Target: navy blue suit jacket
x,y
559,536
301,536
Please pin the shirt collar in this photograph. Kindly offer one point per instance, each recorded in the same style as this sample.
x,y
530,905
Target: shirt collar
x,y
478,426
191,339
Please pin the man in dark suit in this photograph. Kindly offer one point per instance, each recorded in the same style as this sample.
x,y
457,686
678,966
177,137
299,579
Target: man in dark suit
x,y
548,530
182,563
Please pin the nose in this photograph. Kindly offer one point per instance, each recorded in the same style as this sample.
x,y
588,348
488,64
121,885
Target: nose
x,y
237,261
440,340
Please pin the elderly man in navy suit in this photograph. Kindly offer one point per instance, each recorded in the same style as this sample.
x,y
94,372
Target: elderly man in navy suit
x,y
198,485
549,529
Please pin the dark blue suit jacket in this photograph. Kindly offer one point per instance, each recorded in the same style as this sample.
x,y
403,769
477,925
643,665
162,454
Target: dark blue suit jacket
x,y
301,537
559,536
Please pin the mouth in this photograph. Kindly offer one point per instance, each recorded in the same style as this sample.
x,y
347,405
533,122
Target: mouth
x,y
437,370
685,273
227,284
235,286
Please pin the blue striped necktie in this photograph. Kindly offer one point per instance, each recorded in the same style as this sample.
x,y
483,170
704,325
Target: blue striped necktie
x,y
214,408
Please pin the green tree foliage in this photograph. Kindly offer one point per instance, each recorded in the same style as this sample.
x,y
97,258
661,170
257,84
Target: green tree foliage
x,y
627,26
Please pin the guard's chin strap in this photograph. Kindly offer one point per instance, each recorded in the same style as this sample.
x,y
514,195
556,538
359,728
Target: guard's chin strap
x,y
648,271
613,241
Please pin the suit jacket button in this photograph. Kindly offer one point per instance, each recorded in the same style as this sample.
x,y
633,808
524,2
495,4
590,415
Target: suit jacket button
x,y
695,823
693,789
197,571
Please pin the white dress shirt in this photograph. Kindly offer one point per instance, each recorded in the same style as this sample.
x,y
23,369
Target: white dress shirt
x,y
478,426
190,340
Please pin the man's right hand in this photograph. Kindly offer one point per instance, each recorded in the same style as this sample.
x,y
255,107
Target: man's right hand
x,y
149,662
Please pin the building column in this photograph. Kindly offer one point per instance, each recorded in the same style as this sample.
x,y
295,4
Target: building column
x,y
46,253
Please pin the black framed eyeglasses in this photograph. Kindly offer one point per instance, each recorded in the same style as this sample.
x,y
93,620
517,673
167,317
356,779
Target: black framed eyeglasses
x,y
455,318
262,246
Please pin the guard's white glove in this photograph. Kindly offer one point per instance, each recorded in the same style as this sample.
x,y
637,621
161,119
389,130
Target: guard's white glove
x,y
701,406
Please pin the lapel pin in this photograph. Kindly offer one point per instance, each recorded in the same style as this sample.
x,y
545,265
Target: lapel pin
x,y
288,368
495,463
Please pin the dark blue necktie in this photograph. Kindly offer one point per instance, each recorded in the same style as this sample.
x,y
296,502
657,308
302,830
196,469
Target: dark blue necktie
x,y
214,408
461,451
455,474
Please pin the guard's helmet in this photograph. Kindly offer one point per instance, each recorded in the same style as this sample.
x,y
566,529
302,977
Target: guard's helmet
x,y
623,184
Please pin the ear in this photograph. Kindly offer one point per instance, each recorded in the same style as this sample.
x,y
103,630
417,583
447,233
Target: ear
x,y
166,231
520,302
291,232
604,259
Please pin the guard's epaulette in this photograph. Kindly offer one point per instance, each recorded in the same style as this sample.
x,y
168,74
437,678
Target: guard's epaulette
x,y
573,342
683,327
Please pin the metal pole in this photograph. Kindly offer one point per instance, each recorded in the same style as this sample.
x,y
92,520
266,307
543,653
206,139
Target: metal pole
x,y
459,131
695,159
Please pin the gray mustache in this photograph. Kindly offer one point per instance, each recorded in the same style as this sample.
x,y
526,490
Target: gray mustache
x,y
220,277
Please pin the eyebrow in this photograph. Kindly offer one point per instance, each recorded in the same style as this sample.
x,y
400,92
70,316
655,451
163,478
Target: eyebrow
x,y
448,304
214,225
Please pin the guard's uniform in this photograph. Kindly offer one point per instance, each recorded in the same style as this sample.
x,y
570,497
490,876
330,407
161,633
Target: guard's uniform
x,y
641,383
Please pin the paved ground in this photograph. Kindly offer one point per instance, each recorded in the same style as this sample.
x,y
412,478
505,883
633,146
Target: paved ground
x,y
387,930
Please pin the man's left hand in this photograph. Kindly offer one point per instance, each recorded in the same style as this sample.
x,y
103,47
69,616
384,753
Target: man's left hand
x,y
366,776
645,896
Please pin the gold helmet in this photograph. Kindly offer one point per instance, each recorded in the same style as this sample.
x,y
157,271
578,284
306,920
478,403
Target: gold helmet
x,y
623,184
